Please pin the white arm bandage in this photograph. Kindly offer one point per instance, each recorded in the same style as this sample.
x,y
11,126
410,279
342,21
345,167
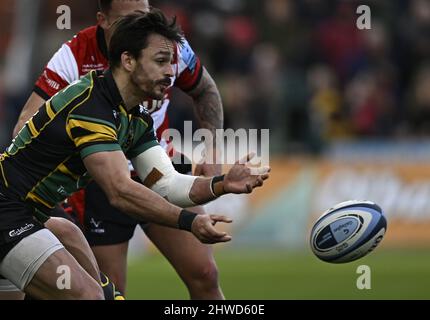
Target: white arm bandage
x,y
172,185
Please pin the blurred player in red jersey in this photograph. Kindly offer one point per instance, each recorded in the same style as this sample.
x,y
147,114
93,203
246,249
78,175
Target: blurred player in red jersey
x,y
107,230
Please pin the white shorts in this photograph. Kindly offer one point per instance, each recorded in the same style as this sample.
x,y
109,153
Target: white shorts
x,y
24,260
7,286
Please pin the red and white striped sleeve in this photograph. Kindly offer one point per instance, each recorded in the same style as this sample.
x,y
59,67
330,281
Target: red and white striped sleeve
x,y
60,71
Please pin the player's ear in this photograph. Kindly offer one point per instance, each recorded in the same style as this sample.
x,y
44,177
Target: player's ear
x,y
102,20
128,61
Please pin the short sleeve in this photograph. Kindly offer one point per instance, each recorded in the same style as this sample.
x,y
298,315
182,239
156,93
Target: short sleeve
x,y
190,69
144,135
60,71
145,142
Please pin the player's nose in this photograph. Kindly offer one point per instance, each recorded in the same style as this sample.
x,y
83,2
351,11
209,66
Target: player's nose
x,y
168,71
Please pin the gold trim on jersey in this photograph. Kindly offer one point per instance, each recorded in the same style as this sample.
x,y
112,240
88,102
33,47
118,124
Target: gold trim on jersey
x,y
3,175
123,110
95,137
63,169
32,128
92,126
99,132
49,110
33,197
75,122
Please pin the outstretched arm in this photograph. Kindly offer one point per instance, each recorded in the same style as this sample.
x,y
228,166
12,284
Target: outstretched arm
x,y
157,172
110,171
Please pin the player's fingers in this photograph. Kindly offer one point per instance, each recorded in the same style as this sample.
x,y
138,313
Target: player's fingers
x,y
260,170
246,159
259,182
205,237
265,176
226,238
212,233
218,240
217,218
248,187
206,233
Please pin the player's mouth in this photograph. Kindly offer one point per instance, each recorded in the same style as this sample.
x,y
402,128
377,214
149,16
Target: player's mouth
x,y
164,84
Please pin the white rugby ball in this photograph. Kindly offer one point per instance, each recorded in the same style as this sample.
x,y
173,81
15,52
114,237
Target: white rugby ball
x,y
348,231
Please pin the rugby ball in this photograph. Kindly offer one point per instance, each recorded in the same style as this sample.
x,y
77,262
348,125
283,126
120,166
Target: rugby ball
x,y
348,231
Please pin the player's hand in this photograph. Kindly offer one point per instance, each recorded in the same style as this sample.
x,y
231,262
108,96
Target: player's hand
x,y
203,228
208,170
243,179
210,165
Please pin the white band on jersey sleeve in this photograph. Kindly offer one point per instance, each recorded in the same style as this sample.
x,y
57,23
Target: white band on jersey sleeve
x,y
173,186
64,64
186,57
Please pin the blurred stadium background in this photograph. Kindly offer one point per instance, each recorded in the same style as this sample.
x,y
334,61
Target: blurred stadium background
x,y
349,114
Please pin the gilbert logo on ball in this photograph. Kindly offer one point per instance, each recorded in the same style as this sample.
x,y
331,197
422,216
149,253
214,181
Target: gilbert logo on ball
x,y
348,231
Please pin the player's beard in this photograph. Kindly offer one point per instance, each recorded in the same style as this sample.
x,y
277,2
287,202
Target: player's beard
x,y
151,89
158,89
163,86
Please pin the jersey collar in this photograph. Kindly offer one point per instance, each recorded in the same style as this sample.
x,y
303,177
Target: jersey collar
x,y
112,87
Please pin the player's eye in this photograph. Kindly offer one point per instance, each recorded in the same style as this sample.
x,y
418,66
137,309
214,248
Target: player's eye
x,y
161,61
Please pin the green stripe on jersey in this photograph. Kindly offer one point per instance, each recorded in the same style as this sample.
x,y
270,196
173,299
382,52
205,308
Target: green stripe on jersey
x,y
106,147
73,91
23,138
93,120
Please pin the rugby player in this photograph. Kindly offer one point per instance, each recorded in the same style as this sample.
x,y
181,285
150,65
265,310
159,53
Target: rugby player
x,y
107,230
88,130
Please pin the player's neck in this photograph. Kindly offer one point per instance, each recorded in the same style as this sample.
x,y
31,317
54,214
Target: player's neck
x,y
127,90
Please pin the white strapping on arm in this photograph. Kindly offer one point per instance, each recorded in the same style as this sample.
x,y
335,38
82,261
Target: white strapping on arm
x,y
173,186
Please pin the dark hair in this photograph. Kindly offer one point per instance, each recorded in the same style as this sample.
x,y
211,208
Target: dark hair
x,y
105,5
131,33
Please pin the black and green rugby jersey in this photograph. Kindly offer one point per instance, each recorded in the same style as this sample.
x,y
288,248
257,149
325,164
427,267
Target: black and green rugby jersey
x,y
44,163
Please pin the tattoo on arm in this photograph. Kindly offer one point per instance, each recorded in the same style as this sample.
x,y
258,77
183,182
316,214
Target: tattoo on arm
x,y
207,104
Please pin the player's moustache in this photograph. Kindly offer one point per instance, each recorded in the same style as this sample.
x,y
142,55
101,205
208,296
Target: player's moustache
x,y
166,82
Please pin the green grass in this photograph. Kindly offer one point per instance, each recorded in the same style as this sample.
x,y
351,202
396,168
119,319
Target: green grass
x,y
395,274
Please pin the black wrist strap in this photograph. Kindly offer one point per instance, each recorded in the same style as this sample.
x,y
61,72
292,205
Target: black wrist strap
x,y
216,188
186,219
